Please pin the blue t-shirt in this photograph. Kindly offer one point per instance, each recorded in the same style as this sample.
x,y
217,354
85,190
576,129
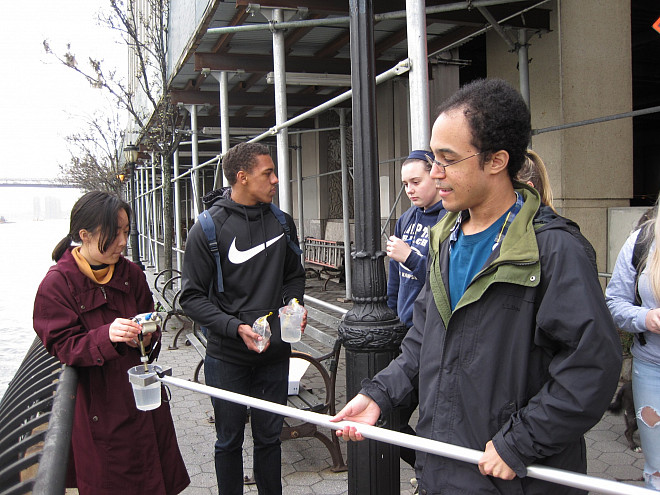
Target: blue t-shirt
x,y
468,256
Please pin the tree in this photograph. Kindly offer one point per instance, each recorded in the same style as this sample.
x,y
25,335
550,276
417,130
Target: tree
x,y
95,154
143,27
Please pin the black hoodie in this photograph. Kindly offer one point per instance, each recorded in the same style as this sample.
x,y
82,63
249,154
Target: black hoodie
x,y
260,274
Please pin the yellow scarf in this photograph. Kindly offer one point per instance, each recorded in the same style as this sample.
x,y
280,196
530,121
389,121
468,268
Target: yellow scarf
x,y
102,276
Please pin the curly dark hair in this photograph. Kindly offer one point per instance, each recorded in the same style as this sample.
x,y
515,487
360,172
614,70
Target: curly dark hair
x,y
498,117
243,156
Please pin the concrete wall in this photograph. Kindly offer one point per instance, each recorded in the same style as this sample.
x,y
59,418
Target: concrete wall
x,y
580,70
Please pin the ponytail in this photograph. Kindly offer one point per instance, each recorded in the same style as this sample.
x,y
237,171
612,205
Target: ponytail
x,y
61,248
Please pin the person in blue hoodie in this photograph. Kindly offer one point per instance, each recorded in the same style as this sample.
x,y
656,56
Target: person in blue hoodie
x,y
409,246
407,250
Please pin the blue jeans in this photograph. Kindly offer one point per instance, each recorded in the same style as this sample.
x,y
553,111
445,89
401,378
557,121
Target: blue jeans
x,y
646,391
268,382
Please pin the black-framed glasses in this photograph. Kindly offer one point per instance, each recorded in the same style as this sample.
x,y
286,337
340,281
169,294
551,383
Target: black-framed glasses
x,y
445,165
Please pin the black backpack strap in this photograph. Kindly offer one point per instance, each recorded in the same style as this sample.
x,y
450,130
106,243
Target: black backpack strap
x,y
208,227
279,214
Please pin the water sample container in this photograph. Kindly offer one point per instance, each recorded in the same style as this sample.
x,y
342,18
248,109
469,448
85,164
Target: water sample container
x,y
146,387
290,321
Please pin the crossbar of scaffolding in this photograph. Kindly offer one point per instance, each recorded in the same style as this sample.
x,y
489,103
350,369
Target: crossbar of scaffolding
x,y
597,120
333,21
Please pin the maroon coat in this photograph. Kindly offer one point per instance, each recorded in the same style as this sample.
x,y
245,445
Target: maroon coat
x,y
116,448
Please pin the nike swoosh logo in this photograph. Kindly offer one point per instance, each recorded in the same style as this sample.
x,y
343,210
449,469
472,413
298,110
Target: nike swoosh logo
x,y
237,256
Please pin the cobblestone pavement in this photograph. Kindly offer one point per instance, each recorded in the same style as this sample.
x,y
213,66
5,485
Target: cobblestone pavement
x,y
306,462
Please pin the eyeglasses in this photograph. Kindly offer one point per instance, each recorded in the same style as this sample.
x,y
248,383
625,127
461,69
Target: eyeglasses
x,y
445,165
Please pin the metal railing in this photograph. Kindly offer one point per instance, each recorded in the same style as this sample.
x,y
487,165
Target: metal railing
x,y
33,452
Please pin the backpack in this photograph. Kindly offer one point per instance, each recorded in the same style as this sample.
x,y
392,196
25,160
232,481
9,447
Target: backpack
x,y
208,226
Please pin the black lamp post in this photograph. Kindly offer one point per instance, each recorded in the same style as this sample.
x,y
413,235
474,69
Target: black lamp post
x,y
370,331
131,155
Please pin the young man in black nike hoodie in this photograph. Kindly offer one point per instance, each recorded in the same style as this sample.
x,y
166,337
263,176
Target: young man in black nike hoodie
x,y
260,273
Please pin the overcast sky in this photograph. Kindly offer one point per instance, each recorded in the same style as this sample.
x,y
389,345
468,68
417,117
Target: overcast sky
x,y
43,101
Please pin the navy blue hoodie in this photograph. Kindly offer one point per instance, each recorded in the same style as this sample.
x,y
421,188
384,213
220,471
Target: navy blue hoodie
x,y
260,274
407,279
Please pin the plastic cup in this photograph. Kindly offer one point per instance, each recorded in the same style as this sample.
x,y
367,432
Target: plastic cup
x,y
147,394
290,321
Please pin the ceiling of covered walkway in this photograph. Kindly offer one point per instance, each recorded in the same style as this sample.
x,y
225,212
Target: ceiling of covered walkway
x,y
320,50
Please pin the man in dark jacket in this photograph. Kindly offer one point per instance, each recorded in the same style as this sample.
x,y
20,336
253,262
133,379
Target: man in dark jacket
x,y
260,273
515,350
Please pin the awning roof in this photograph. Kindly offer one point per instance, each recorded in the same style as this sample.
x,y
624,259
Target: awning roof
x,y
247,55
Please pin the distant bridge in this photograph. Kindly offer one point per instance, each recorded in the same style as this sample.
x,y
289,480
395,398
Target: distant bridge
x,y
34,183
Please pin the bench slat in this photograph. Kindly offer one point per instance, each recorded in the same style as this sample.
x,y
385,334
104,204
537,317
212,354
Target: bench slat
x,y
201,349
321,317
307,349
319,336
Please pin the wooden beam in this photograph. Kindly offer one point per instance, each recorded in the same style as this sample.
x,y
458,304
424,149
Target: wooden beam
x,y
223,41
264,63
251,122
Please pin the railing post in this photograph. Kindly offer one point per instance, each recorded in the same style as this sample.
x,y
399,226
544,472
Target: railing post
x,y
370,331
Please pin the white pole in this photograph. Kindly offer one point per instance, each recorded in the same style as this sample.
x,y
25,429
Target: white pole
x,y
420,132
472,456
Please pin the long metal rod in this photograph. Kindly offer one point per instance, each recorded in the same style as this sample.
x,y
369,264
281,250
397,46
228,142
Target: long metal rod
x,y
325,304
389,218
194,176
299,188
400,68
559,476
418,92
345,198
523,67
487,28
333,21
155,258
302,131
279,67
496,26
177,213
224,124
597,120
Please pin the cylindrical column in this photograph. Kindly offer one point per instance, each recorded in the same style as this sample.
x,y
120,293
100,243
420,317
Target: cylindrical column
x,y
143,212
135,243
344,202
301,215
418,77
153,241
279,68
177,212
194,175
523,65
224,126
370,331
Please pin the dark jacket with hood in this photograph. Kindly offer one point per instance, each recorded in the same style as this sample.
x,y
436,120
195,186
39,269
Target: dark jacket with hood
x,y
116,447
406,279
260,274
529,358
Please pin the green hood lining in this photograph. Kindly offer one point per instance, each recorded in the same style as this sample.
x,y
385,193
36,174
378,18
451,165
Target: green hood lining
x,y
517,260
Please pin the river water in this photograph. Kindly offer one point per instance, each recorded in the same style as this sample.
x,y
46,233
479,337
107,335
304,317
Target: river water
x,y
38,219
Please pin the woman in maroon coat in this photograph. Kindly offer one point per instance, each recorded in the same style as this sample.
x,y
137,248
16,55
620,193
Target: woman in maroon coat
x,y
82,313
